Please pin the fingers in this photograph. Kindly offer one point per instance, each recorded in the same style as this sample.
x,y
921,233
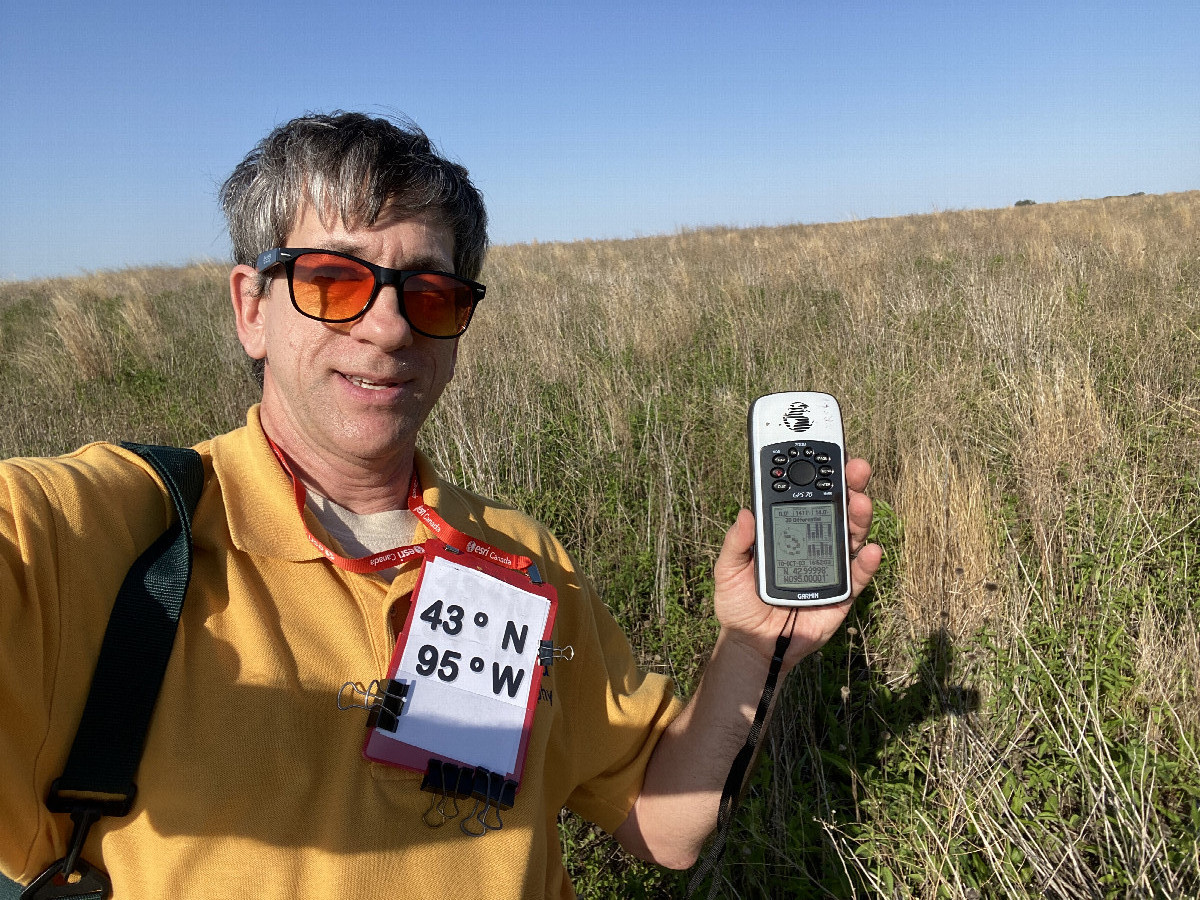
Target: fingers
x,y
858,506
865,558
859,515
863,567
858,473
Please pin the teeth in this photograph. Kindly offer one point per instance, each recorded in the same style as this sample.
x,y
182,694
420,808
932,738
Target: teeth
x,y
369,385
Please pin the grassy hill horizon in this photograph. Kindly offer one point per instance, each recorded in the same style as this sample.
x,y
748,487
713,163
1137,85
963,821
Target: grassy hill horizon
x,y
534,242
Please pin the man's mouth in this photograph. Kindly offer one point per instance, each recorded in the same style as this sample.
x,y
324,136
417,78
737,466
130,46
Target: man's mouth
x,y
368,384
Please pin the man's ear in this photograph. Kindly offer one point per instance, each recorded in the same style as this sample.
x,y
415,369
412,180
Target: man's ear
x,y
249,310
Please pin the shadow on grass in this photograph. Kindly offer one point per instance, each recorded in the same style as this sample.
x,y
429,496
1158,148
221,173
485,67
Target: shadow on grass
x,y
845,728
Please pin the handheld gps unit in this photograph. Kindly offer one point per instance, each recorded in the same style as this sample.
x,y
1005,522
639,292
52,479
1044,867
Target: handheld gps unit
x,y
797,465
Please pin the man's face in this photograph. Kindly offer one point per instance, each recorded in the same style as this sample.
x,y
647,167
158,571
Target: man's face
x,y
352,395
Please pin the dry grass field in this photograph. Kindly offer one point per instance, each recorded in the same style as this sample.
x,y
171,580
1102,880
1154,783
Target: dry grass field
x,y
1014,708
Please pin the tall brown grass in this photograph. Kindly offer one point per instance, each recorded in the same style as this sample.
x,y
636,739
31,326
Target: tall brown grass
x,y
1013,710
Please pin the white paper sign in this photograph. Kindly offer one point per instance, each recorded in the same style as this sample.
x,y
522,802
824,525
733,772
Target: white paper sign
x,y
469,662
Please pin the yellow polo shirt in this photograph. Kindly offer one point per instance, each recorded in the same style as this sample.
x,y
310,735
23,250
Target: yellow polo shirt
x,y
253,781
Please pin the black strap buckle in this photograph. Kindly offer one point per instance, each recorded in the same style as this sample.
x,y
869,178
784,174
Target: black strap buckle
x,y
116,804
71,876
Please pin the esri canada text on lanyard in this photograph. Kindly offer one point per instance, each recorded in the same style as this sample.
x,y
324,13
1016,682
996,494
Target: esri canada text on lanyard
x,y
462,685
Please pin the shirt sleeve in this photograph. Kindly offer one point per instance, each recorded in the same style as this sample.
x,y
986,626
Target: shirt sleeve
x,y
67,537
28,629
617,724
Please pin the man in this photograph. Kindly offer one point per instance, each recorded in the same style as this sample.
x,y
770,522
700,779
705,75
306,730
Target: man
x,y
356,248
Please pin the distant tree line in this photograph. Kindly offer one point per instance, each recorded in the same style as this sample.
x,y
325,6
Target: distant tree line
x,y
1109,197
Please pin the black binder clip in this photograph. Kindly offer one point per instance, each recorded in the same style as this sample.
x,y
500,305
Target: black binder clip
x,y
383,700
492,793
448,783
548,653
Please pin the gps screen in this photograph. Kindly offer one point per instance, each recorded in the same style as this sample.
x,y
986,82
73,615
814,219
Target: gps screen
x,y
806,555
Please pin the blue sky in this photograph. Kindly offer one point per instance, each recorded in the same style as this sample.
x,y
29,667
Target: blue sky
x,y
590,120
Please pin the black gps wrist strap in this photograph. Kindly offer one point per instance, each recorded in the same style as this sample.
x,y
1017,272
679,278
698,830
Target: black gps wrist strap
x,y
731,792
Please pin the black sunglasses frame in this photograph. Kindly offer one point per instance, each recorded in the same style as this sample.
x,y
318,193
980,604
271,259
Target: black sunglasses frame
x,y
287,256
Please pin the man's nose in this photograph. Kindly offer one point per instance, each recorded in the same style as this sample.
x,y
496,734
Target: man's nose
x,y
383,324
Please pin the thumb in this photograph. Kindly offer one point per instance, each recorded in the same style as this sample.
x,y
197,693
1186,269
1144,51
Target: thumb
x,y
737,551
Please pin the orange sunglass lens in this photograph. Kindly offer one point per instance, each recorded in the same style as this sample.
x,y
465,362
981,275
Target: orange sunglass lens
x,y
331,287
437,304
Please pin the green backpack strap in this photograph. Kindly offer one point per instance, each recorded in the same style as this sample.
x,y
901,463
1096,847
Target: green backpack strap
x,y
133,659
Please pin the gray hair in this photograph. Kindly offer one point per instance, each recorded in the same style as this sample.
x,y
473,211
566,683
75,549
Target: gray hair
x,y
358,167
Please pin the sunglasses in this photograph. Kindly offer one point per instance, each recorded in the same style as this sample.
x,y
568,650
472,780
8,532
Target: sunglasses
x,y
336,287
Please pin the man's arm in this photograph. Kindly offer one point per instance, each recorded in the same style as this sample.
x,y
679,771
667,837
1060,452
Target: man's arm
x,y
677,808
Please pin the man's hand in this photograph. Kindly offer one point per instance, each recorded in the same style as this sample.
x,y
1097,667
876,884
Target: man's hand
x,y
749,621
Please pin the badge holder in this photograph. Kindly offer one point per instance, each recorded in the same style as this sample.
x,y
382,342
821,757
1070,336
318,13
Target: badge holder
x,y
458,701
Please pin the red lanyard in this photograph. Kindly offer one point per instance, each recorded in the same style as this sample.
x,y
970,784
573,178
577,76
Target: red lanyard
x,y
398,556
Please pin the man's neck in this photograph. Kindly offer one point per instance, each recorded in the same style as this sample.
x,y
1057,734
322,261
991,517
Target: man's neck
x,y
357,491
359,485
